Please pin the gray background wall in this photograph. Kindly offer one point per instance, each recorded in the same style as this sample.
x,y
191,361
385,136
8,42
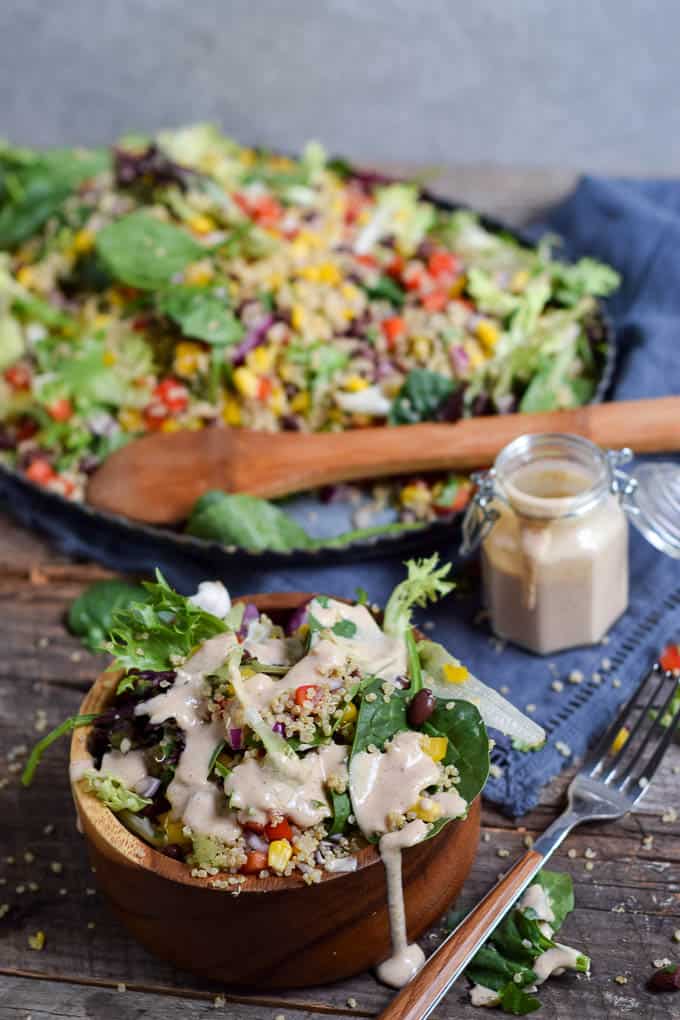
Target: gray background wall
x,y
522,82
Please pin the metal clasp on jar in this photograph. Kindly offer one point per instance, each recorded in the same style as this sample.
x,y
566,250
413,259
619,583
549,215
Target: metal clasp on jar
x,y
622,484
480,516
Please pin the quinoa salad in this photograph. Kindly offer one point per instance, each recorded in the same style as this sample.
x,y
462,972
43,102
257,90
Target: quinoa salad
x,y
186,281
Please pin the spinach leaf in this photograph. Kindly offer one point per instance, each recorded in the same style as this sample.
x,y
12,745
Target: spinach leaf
x,y
379,720
257,524
342,809
386,289
91,615
246,521
156,633
515,1001
145,252
202,314
34,186
420,397
560,891
468,743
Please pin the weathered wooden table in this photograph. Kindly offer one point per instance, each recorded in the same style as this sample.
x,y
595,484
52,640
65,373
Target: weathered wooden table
x,y
628,895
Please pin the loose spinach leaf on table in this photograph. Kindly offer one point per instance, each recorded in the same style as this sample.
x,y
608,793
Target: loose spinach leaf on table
x,y
145,252
256,524
91,615
420,397
468,743
202,314
34,186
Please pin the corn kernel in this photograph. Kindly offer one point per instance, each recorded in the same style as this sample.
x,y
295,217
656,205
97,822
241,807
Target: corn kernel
x,y
487,332
619,740
201,224
455,674
349,292
277,401
26,276
247,157
458,286
279,854
349,715
109,358
427,809
474,354
102,320
170,425
173,828
297,317
83,242
231,412
275,280
130,419
520,279
115,297
310,273
188,358
415,496
245,382
329,274
300,402
434,747
198,274
354,383
261,360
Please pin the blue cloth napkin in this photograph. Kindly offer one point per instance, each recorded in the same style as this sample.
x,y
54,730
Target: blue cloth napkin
x,y
634,226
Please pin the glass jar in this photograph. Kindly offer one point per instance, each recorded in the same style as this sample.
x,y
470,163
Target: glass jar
x,y
554,535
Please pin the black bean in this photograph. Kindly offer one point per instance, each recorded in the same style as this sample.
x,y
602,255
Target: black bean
x,y
421,707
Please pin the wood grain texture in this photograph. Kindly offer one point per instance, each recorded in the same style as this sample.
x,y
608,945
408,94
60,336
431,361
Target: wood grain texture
x,y
158,478
415,1000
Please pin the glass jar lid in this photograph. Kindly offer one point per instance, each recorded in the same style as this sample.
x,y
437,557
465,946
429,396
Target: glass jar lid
x,y
653,504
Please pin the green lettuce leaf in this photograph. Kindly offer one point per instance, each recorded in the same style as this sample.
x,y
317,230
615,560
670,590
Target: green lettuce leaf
x,y
35,757
426,582
113,792
160,632
145,252
587,277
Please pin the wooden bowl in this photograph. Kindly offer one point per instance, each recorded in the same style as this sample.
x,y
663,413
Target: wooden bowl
x,y
276,932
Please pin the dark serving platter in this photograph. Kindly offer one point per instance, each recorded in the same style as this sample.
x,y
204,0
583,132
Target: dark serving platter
x,y
80,531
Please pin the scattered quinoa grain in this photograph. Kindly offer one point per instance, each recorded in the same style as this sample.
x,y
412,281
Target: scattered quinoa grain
x,y
669,816
606,664
121,987
589,866
352,1002
563,748
219,1001
575,677
590,854
531,708
502,853
557,685
621,979
571,854
56,867
37,941
676,935
616,682
664,962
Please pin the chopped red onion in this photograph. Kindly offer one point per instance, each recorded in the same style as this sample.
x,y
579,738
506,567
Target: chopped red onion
x,y
147,787
460,360
297,618
250,614
253,339
279,728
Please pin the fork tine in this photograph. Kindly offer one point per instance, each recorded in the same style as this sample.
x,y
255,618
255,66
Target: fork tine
x,y
645,743
596,757
643,718
655,760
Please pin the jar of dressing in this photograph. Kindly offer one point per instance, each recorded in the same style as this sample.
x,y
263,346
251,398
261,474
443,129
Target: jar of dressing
x,y
551,517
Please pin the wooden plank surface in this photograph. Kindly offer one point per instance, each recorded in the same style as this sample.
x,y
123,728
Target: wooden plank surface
x,y
628,905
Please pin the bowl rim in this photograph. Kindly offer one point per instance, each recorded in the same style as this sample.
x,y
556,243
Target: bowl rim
x,y
137,852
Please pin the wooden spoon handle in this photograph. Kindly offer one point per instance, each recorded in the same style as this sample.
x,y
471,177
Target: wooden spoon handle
x,y
648,426
417,999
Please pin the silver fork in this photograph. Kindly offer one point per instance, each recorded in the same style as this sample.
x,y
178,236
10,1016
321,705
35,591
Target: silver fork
x,y
610,783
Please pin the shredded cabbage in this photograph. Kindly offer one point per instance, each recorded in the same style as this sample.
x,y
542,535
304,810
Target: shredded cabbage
x,y
113,792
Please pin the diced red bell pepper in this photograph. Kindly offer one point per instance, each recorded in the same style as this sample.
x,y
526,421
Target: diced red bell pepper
x,y
257,827
40,471
670,659
414,277
366,260
266,211
435,301
396,266
60,410
393,327
264,389
307,692
443,263
281,830
18,376
256,861
172,394
155,414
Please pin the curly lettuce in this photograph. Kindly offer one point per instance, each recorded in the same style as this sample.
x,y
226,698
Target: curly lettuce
x,y
113,792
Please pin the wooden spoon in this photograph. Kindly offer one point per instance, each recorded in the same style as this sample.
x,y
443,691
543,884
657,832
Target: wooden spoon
x,y
159,478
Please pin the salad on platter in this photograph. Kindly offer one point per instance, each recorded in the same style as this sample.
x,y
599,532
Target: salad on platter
x,y
184,281
244,747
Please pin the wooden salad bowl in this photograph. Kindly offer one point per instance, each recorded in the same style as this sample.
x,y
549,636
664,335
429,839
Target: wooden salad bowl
x,y
276,932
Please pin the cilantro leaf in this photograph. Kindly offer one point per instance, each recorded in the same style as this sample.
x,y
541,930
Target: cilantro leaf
x,y
344,628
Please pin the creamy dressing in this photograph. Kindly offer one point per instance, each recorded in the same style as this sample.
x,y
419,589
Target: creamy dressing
x,y
554,961
274,651
78,769
390,781
258,789
192,796
130,768
554,581
373,651
406,959
535,898
480,995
